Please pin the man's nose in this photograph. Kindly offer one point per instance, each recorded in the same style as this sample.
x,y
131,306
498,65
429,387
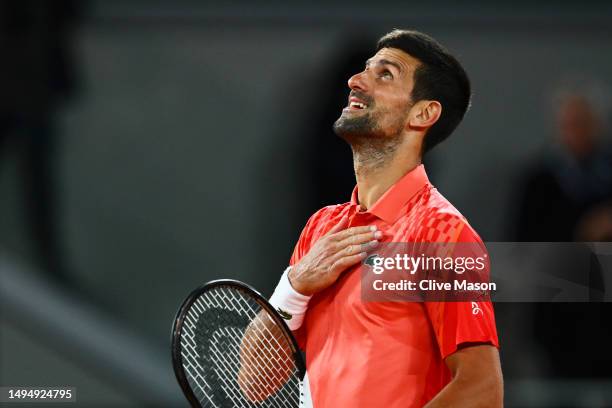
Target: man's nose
x,y
357,82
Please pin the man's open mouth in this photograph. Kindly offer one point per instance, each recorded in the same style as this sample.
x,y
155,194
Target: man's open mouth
x,y
357,105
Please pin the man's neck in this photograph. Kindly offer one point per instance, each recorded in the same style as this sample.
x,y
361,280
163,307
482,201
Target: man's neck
x,y
377,170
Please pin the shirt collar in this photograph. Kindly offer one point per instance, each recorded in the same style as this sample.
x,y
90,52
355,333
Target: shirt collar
x,y
388,207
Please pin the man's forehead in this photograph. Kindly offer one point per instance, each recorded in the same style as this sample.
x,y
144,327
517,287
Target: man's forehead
x,y
406,61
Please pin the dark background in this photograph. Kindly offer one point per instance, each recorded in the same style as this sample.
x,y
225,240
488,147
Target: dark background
x,y
148,147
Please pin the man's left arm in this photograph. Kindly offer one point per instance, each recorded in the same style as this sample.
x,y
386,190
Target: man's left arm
x,y
467,338
476,379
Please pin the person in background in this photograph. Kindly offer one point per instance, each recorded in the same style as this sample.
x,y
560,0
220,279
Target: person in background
x,y
566,196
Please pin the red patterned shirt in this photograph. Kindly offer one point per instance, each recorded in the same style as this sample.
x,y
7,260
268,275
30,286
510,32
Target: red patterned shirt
x,y
387,354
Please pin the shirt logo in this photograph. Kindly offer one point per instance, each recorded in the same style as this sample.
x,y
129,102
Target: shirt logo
x,y
476,309
370,259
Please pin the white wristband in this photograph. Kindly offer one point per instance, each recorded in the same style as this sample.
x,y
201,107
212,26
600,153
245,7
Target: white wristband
x,y
290,304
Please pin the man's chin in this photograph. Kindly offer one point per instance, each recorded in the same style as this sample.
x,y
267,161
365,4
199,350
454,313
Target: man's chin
x,y
350,127
353,135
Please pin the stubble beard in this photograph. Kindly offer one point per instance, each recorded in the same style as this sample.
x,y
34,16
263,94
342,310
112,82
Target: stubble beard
x,y
372,147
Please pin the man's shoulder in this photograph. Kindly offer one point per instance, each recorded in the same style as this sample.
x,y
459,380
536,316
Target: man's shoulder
x,y
324,218
441,206
441,221
327,212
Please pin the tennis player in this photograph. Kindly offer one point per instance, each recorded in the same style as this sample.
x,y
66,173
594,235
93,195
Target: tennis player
x,y
410,97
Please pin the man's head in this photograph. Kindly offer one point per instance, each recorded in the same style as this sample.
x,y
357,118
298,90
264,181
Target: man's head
x,y
411,84
578,125
582,107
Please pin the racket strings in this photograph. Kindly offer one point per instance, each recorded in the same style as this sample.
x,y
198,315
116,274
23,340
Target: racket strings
x,y
217,355
263,353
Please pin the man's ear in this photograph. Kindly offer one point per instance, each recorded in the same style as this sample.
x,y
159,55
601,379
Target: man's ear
x,y
424,114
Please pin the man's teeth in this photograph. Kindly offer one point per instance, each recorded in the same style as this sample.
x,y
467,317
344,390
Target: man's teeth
x,y
358,105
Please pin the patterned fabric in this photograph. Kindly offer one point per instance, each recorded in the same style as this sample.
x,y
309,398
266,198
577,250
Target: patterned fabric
x,y
387,354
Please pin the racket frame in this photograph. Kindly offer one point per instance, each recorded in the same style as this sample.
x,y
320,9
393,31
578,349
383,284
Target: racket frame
x,y
177,326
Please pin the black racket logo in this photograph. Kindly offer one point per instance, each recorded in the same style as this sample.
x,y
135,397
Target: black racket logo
x,y
206,328
231,348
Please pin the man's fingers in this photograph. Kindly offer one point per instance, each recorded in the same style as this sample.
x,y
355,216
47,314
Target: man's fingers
x,y
356,248
353,231
339,226
343,263
353,249
358,239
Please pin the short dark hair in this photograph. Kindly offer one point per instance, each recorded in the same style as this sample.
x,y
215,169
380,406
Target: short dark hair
x,y
439,77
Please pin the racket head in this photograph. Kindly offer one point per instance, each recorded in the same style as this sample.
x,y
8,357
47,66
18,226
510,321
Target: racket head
x,y
203,303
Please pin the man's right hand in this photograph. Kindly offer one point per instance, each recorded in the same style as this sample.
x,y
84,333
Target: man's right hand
x,y
336,251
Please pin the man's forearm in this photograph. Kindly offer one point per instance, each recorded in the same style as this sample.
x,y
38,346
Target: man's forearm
x,y
461,393
477,379
264,367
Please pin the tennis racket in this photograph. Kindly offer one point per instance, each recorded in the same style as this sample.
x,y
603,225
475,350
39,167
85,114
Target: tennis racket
x,y
230,348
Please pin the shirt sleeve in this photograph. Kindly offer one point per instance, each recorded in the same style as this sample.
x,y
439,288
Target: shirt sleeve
x,y
301,248
304,241
460,323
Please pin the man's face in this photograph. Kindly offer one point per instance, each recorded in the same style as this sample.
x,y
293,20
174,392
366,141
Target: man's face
x,y
578,124
379,100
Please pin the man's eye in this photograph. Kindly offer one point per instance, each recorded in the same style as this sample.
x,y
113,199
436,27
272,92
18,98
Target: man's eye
x,y
386,74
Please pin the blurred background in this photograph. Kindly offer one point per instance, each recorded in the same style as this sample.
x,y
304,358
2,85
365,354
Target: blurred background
x,y
147,147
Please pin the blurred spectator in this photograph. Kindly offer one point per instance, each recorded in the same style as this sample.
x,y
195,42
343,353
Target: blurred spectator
x,y
567,196
37,75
